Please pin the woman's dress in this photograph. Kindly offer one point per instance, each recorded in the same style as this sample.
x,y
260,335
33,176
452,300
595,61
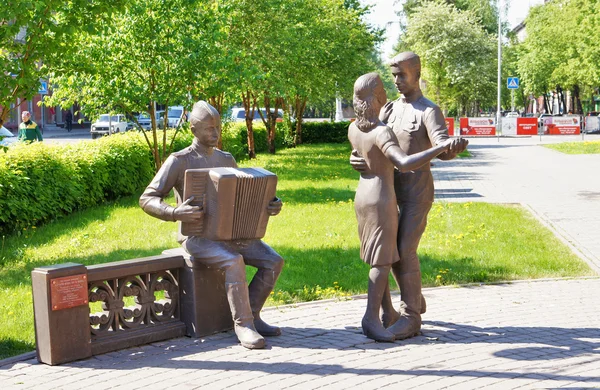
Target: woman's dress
x,y
375,201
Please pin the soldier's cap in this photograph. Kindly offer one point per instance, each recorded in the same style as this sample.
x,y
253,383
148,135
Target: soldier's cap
x,y
202,110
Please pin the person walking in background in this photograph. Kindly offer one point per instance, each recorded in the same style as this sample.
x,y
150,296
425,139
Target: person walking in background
x,y
69,121
28,129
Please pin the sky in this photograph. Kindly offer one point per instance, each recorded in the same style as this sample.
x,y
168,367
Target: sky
x,y
383,14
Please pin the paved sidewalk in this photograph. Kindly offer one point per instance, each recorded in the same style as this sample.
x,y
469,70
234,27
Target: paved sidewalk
x,y
563,190
532,335
541,334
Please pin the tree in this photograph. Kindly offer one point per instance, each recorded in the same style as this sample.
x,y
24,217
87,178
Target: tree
x,y
152,53
458,56
30,32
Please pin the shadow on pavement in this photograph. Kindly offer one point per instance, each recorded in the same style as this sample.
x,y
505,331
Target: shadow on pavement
x,y
560,342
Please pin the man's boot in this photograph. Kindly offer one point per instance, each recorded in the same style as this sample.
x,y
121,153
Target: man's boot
x,y
243,322
260,288
389,314
409,323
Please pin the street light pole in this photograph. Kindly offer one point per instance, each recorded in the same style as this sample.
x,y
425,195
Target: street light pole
x,y
499,110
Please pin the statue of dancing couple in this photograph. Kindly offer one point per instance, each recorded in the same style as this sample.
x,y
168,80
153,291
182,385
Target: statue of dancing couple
x,y
393,144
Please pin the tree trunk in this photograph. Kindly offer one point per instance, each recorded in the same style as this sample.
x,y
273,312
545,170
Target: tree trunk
x,y
270,118
577,108
249,108
546,105
299,107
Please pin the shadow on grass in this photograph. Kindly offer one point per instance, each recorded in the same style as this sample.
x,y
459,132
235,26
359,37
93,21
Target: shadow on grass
x,y
11,347
315,163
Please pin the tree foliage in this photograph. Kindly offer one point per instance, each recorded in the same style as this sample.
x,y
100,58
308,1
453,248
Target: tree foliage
x,y
31,31
458,56
154,52
561,48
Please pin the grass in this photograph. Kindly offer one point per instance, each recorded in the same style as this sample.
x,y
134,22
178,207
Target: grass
x,y
585,147
316,233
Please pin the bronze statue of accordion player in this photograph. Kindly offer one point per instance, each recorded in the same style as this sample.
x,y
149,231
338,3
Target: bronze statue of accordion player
x,y
215,168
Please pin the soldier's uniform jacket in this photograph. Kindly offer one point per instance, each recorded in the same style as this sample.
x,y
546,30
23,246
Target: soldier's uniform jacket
x,y
171,176
418,125
29,131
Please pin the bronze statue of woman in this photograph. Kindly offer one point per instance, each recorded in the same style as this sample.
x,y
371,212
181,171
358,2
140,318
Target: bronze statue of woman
x,y
375,201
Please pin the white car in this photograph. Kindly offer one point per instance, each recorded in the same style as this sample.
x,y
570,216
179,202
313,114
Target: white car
x,y
8,138
512,114
176,116
144,121
108,124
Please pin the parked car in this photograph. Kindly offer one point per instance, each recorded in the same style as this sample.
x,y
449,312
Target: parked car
x,y
144,121
108,124
176,116
512,114
8,138
238,114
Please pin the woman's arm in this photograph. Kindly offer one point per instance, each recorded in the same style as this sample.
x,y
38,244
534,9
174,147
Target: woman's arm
x,y
406,163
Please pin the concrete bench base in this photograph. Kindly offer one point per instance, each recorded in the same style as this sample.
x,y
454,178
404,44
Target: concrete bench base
x,y
204,306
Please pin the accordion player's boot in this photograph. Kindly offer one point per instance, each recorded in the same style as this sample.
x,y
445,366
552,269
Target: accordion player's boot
x,y
409,323
260,288
243,322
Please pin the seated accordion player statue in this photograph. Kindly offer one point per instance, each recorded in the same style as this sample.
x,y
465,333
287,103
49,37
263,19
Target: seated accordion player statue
x,y
234,201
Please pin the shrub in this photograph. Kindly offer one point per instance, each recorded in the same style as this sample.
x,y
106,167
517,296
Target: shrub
x,y
325,132
41,182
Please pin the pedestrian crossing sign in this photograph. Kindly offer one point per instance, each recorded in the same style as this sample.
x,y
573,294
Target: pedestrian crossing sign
x,y
513,83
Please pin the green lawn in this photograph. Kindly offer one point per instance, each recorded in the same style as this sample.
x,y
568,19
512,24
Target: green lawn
x,y
585,147
316,233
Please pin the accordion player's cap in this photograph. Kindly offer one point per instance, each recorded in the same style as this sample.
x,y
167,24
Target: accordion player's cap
x,y
202,110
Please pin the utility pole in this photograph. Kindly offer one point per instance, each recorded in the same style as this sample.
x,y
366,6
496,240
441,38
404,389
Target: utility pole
x,y
499,110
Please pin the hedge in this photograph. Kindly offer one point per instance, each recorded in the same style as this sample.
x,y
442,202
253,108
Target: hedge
x,y
235,136
41,182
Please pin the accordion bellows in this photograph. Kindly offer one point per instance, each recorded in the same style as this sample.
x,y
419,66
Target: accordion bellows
x,y
235,202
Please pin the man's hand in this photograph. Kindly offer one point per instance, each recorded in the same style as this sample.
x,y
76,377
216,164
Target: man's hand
x,y
274,206
186,213
357,162
458,145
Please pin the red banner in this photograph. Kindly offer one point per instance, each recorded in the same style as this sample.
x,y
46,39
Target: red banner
x,y
527,126
564,125
450,126
477,126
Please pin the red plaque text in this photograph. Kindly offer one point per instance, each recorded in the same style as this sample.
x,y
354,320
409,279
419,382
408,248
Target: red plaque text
x,y
69,291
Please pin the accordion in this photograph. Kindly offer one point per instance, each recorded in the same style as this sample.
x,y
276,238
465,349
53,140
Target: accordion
x,y
234,200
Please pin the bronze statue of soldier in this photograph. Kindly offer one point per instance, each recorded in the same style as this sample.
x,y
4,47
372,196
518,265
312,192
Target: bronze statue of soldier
x,y
245,301
417,124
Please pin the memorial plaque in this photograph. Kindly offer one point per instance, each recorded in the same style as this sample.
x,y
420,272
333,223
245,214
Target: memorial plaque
x,y
69,291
